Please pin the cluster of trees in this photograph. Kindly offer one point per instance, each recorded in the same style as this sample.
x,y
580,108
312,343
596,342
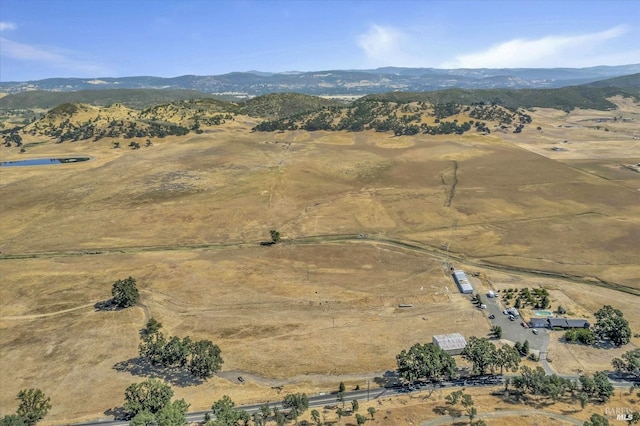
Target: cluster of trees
x,y
447,109
580,335
457,398
429,362
537,382
148,403
372,115
484,356
537,298
225,413
629,363
12,137
201,358
425,362
67,131
612,326
492,113
34,406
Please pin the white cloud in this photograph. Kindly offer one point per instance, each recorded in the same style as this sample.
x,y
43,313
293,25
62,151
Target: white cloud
x,y
384,45
550,51
7,26
379,41
47,56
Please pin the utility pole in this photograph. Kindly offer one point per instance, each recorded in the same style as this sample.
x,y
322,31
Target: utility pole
x,y
367,390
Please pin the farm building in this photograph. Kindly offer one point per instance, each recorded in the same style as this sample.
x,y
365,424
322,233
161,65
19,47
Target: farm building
x,y
568,323
463,282
539,323
563,323
453,344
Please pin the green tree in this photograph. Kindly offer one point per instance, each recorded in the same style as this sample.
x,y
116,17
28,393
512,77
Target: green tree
x,y
628,363
225,413
597,420
205,359
151,395
296,403
34,405
13,420
315,416
635,418
611,325
275,236
603,387
173,414
481,353
496,330
125,293
342,388
152,327
265,410
176,352
584,399
360,419
152,347
371,411
425,361
507,357
144,418
355,405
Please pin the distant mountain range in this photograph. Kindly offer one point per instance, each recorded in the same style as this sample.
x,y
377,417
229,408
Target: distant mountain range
x,y
341,82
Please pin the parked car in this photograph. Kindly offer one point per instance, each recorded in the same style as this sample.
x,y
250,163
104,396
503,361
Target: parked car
x,y
505,312
512,318
492,316
535,331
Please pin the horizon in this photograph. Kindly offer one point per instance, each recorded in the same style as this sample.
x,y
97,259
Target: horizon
x,y
311,71
98,39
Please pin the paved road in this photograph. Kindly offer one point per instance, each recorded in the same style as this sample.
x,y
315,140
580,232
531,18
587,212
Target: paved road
x,y
322,400
520,413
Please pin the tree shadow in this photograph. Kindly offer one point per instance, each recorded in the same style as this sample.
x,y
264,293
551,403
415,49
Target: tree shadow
x,y
118,413
605,344
142,368
106,305
440,410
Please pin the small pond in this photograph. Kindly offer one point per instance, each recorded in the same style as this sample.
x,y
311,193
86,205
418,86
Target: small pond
x,y
43,161
543,313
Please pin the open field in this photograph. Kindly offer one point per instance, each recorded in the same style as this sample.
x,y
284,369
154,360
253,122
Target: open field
x,y
185,216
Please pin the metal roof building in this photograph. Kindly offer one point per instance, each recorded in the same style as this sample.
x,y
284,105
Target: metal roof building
x,y
453,344
463,282
568,323
558,323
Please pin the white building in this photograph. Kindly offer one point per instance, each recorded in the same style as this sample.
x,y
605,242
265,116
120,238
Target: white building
x,y
464,285
453,344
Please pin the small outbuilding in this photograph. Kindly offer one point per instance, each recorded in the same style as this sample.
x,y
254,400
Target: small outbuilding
x,y
464,285
453,343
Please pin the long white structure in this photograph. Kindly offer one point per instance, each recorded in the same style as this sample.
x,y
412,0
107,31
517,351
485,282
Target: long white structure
x,y
463,282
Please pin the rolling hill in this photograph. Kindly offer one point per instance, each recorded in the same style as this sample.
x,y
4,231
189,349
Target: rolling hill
x,y
332,82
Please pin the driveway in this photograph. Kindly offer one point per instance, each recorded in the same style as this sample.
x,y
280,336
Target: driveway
x,y
513,331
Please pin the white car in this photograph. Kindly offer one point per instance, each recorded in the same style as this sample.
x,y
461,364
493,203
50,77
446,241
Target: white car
x,y
535,331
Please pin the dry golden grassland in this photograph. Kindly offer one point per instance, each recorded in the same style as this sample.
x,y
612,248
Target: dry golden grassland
x,y
185,216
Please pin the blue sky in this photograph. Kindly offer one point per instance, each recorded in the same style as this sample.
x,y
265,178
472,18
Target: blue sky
x,y
167,38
